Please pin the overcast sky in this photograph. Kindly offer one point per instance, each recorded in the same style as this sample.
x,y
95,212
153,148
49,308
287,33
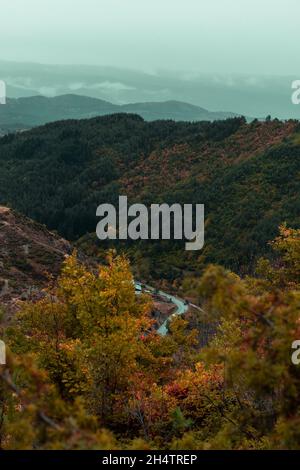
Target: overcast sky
x,y
224,36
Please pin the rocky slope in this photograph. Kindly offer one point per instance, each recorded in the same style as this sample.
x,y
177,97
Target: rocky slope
x,y
28,254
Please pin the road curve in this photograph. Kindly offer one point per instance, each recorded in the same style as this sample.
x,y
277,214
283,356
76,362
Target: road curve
x,y
181,306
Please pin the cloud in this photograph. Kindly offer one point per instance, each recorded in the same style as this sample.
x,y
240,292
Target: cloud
x,y
116,86
47,91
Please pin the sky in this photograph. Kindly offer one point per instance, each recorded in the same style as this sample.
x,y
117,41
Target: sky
x,y
223,36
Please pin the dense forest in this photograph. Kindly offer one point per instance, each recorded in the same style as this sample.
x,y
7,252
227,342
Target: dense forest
x,y
86,369
247,175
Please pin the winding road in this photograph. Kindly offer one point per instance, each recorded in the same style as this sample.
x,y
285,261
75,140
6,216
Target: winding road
x,y
181,306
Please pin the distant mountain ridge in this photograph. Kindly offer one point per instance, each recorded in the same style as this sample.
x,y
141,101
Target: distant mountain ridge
x,y
250,94
176,110
24,113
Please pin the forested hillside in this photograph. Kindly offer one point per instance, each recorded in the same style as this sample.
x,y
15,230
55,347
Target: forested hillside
x,y
247,175
86,370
